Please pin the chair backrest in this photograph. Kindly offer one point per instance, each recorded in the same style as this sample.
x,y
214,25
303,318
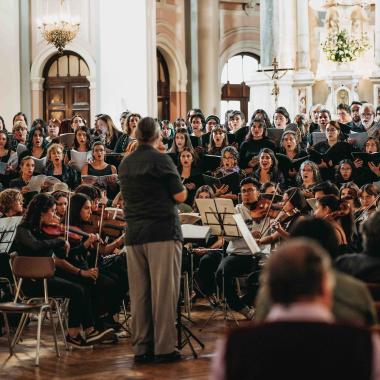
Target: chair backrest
x,y
33,267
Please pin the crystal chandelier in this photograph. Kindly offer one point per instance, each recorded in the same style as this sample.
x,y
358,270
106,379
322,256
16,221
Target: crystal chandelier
x,y
61,29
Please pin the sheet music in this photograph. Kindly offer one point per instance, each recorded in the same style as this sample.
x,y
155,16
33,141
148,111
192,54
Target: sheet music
x,y
36,182
318,137
212,209
8,231
359,137
40,164
78,159
21,148
246,233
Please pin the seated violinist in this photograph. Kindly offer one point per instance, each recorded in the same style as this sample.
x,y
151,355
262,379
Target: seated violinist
x,y
294,207
240,259
11,202
31,240
109,288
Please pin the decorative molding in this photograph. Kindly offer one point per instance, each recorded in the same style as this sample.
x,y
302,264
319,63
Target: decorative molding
x,y
243,46
176,63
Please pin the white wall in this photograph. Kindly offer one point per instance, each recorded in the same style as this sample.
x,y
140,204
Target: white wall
x,y
10,60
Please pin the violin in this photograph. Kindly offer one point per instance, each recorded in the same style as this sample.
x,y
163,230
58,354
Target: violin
x,y
262,208
54,230
344,210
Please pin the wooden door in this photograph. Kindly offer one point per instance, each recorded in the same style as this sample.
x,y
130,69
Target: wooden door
x,y
66,87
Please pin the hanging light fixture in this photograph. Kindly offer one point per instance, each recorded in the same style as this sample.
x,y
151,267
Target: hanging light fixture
x,y
61,29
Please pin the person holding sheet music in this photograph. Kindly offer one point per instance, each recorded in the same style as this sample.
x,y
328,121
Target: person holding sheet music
x,y
255,141
240,259
228,165
308,177
26,173
371,171
323,118
36,144
98,167
19,134
56,167
190,173
290,147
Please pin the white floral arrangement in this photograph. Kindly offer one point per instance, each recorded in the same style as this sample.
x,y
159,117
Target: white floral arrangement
x,y
342,47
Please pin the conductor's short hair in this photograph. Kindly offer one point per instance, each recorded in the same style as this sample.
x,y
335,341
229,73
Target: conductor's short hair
x,y
148,130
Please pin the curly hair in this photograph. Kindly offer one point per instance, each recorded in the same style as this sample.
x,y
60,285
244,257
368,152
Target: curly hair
x,y
40,204
7,198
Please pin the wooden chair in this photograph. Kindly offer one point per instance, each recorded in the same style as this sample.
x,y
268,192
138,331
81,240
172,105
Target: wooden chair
x,y
30,268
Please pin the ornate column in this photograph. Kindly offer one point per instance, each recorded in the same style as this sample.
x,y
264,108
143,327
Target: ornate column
x,y
208,56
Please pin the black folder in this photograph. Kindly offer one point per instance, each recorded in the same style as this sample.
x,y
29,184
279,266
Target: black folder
x,y
285,163
366,157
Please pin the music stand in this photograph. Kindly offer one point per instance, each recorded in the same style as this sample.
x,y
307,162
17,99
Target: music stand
x,y
8,228
218,213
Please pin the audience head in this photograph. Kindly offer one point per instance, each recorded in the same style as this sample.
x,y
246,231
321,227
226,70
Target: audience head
x,y
300,271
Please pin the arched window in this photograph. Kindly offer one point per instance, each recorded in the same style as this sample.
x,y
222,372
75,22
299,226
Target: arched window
x,y
235,92
66,87
163,88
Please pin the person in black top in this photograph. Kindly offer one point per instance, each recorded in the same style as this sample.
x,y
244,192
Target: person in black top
x,y
31,240
151,186
255,141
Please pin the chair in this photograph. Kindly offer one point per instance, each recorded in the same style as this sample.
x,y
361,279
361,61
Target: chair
x,y
30,268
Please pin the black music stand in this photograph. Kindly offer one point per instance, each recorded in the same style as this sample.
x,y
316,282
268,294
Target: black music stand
x,y
218,214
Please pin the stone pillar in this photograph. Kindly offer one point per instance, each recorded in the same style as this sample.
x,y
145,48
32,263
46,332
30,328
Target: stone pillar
x,y
10,61
303,77
126,79
208,56
267,32
303,38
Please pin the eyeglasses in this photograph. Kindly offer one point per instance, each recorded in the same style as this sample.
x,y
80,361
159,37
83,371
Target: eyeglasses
x,y
367,114
249,191
331,130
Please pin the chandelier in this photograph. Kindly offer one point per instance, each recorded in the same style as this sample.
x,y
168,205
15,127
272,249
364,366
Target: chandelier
x,y
61,29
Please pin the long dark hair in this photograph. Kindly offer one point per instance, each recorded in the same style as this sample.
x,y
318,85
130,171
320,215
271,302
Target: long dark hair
x,y
76,203
4,132
29,142
39,204
83,128
261,122
297,199
346,220
261,114
2,120
338,175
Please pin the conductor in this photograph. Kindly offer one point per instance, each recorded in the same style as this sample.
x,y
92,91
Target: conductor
x,y
151,187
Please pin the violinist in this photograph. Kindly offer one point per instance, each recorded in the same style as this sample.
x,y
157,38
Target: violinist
x,y
349,192
11,204
61,202
340,216
368,195
294,207
109,289
240,259
30,240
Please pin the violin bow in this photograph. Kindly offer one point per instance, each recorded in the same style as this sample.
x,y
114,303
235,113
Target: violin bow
x,y
367,208
278,217
270,205
100,233
67,219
